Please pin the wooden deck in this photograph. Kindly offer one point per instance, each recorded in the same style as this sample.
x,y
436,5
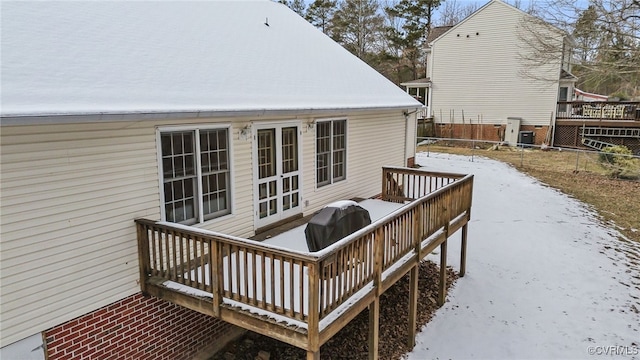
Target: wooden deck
x,y
304,299
589,111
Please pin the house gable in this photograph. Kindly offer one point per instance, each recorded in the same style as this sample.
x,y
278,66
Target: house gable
x,y
477,69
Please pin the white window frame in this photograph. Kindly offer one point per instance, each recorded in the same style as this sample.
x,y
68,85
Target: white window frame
x,y
331,147
200,217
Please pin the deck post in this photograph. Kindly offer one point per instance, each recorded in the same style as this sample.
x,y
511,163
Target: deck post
x,y
215,274
374,328
143,255
313,321
463,251
413,306
383,194
413,277
442,290
374,307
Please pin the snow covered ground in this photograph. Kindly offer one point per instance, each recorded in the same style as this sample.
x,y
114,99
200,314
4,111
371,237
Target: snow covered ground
x,y
545,279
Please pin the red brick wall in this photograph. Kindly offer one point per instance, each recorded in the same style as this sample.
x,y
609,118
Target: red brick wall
x,y
136,327
411,161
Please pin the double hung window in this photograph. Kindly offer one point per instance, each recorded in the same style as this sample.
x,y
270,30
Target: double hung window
x,y
195,174
331,151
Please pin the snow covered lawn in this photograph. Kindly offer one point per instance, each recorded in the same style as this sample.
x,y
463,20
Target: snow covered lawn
x,y
545,279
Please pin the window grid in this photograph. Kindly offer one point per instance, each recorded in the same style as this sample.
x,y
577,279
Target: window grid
x,y
182,201
214,167
330,151
266,153
289,150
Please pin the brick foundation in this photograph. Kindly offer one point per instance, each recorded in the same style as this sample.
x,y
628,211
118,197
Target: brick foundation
x,y
137,327
487,132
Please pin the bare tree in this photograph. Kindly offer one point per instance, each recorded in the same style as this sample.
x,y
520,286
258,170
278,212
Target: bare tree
x,y
452,12
607,42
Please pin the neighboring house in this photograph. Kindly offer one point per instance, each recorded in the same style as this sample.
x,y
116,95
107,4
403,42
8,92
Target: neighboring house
x,y
478,80
580,95
420,89
229,116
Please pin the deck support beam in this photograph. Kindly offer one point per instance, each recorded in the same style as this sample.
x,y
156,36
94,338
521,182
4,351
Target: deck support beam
x,y
463,251
313,355
413,306
374,328
442,291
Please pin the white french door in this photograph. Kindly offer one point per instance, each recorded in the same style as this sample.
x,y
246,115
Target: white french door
x,y
277,179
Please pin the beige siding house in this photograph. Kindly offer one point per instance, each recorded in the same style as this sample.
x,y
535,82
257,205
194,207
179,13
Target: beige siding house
x,y
480,78
229,116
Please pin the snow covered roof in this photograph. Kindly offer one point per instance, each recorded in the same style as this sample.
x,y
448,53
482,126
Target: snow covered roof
x,y
118,57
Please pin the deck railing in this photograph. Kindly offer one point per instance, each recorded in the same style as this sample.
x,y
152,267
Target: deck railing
x,y
598,110
306,287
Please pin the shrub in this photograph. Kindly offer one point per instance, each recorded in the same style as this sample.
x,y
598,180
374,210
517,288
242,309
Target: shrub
x,y
608,154
624,165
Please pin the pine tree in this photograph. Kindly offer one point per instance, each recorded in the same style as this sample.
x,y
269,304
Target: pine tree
x,y
417,15
320,14
357,25
298,6
586,36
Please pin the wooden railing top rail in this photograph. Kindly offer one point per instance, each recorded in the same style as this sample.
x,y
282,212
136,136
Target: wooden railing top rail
x,y
371,228
577,102
229,239
324,253
403,170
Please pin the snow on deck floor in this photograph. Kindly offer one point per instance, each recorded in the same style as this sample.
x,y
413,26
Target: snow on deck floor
x,y
543,280
295,239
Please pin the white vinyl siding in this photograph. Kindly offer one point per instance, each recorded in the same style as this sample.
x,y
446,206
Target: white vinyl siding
x,y
476,69
70,194
374,139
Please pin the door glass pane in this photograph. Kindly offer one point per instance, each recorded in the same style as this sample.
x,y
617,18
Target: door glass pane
x,y
266,153
289,149
286,202
262,191
286,185
263,210
272,188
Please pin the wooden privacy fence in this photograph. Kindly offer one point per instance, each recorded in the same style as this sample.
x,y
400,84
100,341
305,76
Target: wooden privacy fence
x,y
310,296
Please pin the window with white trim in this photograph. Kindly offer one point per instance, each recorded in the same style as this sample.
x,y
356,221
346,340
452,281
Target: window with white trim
x,y
195,174
331,151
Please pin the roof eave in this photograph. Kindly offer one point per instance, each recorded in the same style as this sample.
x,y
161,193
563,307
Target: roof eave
x,y
35,119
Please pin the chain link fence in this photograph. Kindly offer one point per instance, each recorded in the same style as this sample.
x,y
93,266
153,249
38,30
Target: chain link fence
x,y
608,163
